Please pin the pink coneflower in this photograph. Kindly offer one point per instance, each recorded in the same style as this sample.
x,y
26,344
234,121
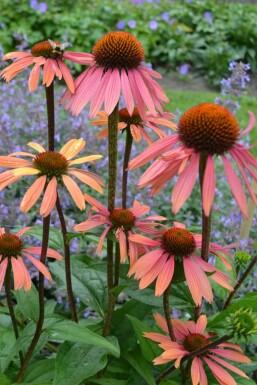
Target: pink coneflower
x,y
50,168
124,222
205,130
116,66
191,336
50,55
136,124
175,247
12,250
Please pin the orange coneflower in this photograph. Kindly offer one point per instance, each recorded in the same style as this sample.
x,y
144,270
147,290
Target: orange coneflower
x,y
51,168
191,336
12,250
176,245
50,55
207,129
124,222
116,66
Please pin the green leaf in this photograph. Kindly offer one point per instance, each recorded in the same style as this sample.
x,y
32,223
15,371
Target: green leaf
x,y
149,349
89,285
77,361
55,236
70,331
28,303
42,370
23,342
139,363
4,380
108,381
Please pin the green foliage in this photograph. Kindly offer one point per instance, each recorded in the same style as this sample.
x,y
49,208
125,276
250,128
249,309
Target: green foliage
x,y
190,38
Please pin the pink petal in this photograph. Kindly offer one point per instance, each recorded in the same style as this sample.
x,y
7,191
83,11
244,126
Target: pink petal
x,y
101,240
232,355
49,198
185,184
127,93
145,263
3,267
250,125
67,76
201,324
74,191
165,277
23,231
27,279
150,276
32,194
209,183
136,94
50,252
143,240
120,235
195,371
33,78
144,91
40,266
93,202
83,177
229,366
48,75
18,274
235,185
219,373
113,90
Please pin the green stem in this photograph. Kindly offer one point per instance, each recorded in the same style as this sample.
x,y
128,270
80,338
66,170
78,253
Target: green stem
x,y
117,265
113,120
7,284
127,152
197,352
50,115
45,238
240,282
67,261
166,307
206,220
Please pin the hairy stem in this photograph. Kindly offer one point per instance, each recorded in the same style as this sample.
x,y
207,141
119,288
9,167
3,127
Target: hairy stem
x,y
7,284
206,220
240,282
127,152
67,261
117,265
113,120
50,115
166,307
197,352
45,238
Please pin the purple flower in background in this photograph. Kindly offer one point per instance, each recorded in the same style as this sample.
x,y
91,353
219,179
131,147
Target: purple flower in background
x,y
208,16
165,16
153,25
184,69
172,21
188,1
2,25
33,4
42,7
132,23
121,24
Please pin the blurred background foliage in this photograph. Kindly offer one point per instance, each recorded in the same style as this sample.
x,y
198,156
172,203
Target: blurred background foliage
x,y
204,34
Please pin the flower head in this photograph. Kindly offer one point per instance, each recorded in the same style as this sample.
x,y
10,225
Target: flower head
x,y
50,168
124,222
191,336
49,54
209,130
136,124
177,247
116,66
242,323
12,251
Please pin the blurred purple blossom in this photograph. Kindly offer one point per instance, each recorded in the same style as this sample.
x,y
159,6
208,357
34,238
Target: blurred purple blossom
x,y
184,69
41,7
153,25
121,24
165,16
132,23
208,16
172,21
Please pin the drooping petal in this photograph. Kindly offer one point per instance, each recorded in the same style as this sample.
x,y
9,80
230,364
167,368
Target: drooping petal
x,y
185,184
86,179
3,267
121,236
33,78
27,279
50,252
219,373
209,182
74,191
127,93
165,277
18,274
201,324
195,371
67,76
152,274
32,194
40,266
101,240
112,92
145,263
49,198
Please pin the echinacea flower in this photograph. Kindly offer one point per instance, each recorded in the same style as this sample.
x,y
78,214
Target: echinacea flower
x,y
50,168
49,54
191,336
124,222
207,130
116,66
136,124
12,251
177,245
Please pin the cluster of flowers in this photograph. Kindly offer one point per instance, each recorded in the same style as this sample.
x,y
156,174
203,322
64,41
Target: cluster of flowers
x,y
203,133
